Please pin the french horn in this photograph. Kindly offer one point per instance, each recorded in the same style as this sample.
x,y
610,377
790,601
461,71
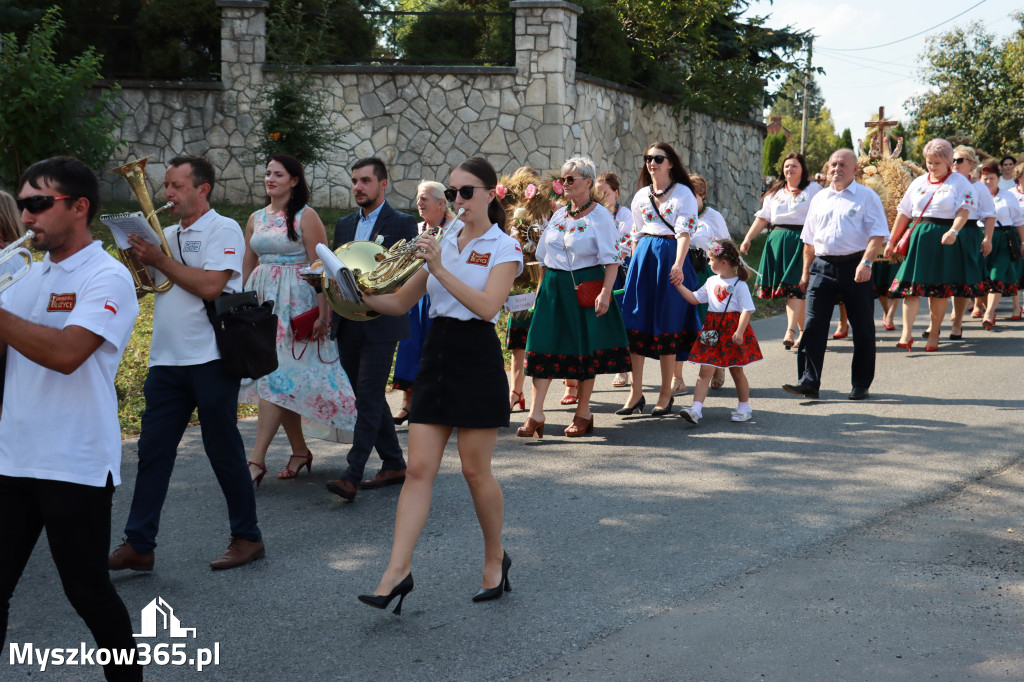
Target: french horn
x,y
135,173
376,271
12,250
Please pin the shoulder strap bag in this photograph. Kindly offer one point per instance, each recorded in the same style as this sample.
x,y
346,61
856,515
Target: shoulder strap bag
x,y
904,243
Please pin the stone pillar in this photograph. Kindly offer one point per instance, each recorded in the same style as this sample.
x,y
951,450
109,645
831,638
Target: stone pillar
x,y
243,37
546,59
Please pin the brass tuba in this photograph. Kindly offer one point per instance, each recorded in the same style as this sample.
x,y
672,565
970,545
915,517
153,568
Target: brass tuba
x,y
135,173
377,271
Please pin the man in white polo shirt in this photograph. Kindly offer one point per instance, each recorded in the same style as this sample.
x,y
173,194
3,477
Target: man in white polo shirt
x,y
64,326
185,370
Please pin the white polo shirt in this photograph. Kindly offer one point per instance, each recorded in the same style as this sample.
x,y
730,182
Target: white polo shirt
x,y
182,333
61,427
473,266
842,223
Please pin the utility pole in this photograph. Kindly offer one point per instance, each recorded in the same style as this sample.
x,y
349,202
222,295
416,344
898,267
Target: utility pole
x,y
807,86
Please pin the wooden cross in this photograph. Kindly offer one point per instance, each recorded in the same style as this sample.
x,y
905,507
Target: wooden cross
x,y
881,139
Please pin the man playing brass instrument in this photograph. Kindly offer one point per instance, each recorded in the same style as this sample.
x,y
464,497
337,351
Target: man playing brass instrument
x,y
185,370
65,325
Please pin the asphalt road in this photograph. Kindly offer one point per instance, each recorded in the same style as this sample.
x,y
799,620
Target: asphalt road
x,y
824,539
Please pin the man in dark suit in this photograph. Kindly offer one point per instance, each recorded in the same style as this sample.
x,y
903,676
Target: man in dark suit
x,y
368,348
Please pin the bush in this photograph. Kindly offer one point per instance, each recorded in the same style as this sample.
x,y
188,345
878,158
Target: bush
x,y
773,146
46,108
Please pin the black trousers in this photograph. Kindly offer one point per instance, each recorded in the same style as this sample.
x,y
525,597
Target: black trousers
x,y
828,282
368,364
77,522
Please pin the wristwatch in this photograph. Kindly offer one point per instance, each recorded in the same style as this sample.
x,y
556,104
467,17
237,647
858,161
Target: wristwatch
x,y
866,262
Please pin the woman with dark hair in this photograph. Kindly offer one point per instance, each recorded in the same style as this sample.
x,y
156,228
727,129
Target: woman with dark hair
x,y
659,323
783,210
461,383
309,384
1001,270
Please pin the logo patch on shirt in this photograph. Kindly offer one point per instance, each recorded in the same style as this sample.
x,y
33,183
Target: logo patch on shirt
x,y
192,247
229,252
479,258
61,303
111,306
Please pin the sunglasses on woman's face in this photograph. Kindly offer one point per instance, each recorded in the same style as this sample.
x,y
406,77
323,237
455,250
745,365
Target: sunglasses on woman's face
x,y
568,180
957,162
38,204
657,159
466,192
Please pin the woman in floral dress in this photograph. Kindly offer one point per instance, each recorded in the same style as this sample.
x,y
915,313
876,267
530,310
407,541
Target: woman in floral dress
x,y
309,384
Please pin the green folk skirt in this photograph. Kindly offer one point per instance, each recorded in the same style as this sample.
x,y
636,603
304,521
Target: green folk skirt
x,y
567,341
1002,273
782,264
936,270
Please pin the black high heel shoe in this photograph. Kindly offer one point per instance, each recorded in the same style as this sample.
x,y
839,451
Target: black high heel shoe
x,y
638,406
381,601
662,411
489,593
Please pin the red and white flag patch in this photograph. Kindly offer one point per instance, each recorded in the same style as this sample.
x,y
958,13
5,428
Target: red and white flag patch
x,y
229,252
478,258
111,306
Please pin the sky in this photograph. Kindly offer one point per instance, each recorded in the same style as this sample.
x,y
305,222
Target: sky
x,y
856,83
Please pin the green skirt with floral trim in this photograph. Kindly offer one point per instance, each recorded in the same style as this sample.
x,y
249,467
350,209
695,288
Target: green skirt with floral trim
x,y
933,269
1002,273
782,265
567,341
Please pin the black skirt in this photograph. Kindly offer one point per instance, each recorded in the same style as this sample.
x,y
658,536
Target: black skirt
x,y
462,380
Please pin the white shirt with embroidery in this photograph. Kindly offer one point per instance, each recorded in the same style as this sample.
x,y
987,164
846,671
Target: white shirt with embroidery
x,y
841,223
678,208
64,427
1008,210
710,225
786,208
569,243
983,207
716,292
472,265
954,192
627,235
1019,195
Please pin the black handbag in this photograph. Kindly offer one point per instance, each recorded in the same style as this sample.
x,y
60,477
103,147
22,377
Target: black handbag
x,y
246,333
698,257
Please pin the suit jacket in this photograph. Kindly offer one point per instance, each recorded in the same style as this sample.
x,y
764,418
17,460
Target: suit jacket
x,y
392,225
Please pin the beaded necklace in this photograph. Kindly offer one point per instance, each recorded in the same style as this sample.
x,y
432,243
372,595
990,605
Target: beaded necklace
x,y
583,208
662,192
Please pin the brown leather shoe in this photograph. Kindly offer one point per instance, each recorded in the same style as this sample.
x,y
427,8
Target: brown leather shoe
x,y
239,553
125,556
343,488
384,477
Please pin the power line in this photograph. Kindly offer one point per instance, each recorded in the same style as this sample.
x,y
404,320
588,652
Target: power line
x,y
865,66
875,47
829,51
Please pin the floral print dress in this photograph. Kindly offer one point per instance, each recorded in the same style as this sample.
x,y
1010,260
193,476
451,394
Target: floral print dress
x,y
309,379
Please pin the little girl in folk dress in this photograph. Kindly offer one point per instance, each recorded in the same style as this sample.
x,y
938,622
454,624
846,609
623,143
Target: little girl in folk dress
x,y
729,308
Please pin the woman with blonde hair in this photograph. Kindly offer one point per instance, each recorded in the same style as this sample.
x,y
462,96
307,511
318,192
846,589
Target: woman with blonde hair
x,y
975,241
436,214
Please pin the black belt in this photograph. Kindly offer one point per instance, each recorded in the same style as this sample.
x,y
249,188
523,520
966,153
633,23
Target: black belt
x,y
1006,228
659,236
843,259
945,222
794,228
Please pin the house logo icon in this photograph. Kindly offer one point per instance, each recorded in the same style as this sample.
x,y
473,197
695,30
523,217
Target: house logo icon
x,y
159,611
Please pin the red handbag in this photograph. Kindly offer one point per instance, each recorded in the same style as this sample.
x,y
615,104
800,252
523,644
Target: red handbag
x,y
302,324
587,292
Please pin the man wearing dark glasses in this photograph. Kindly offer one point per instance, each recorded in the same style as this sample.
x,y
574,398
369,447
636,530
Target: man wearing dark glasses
x,y
367,348
64,325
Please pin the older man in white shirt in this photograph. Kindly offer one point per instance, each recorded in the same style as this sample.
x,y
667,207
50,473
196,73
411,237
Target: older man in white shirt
x,y
844,231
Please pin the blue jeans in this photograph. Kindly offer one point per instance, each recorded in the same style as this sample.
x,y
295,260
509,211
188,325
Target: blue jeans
x,y
171,395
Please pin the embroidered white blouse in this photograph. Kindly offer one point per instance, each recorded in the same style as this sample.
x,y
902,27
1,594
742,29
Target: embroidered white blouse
x,y
786,208
679,209
955,192
569,243
710,225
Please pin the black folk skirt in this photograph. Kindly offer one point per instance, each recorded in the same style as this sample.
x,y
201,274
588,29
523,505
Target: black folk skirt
x,y
462,380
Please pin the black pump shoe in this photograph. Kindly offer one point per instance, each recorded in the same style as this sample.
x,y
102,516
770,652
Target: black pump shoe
x,y
489,593
638,406
381,601
662,411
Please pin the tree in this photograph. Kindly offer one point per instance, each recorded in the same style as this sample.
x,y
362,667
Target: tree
x,y
976,89
846,139
47,108
772,151
821,139
789,101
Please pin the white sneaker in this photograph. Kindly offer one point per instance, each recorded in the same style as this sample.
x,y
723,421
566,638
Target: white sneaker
x,y
690,415
738,416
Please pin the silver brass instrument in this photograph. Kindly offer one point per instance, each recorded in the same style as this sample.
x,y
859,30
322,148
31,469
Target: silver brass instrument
x,y
13,249
377,271
135,173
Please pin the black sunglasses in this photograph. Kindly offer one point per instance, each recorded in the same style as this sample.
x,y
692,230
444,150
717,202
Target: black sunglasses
x,y
658,159
38,204
466,192
957,162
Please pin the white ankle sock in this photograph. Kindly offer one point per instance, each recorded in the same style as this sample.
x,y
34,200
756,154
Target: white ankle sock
x,y
698,407
744,407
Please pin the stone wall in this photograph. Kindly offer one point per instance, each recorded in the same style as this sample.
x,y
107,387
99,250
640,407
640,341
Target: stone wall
x,y
422,120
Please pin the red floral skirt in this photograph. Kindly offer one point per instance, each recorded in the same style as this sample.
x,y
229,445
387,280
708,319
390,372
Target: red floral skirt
x,y
725,353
